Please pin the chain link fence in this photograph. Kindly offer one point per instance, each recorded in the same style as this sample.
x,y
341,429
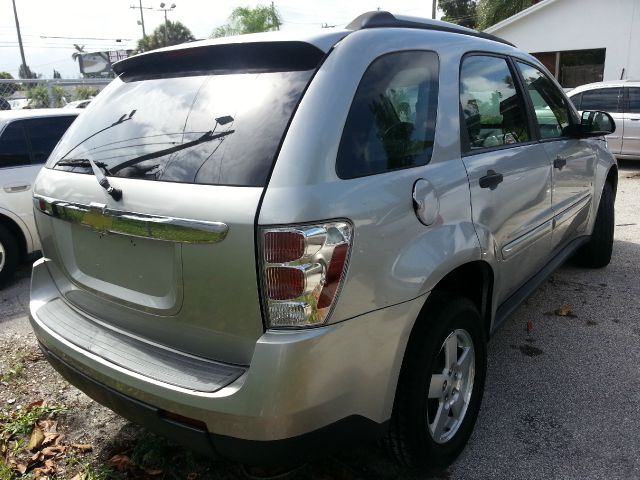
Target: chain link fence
x,y
38,93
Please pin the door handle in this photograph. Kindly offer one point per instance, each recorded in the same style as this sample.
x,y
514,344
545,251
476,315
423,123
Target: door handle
x,y
16,188
635,119
559,163
491,180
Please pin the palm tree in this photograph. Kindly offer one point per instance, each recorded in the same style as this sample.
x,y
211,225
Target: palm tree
x,y
169,33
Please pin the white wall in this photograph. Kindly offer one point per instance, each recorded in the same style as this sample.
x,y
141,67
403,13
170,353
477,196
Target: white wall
x,y
583,24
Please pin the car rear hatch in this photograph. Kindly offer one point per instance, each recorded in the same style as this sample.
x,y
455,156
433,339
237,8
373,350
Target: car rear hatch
x,y
189,137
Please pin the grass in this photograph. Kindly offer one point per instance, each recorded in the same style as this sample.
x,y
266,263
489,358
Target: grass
x,y
6,472
14,371
21,422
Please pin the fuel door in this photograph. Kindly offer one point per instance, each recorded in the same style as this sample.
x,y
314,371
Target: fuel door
x,y
425,201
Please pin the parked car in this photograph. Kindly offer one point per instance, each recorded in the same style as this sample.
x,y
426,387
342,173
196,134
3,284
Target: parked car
x,y
78,103
273,246
621,99
26,140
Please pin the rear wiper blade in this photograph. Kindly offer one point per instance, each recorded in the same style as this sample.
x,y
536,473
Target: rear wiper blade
x,y
207,137
82,162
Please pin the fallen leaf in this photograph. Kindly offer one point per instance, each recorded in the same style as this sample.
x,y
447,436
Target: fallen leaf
x,y
122,463
529,326
37,437
153,472
54,450
565,312
192,476
38,403
50,438
48,426
83,447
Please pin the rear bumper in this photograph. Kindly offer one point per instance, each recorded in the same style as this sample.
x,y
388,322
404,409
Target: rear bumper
x,y
303,387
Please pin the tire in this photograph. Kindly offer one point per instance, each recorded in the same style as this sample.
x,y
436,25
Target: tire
x,y
597,253
9,255
415,438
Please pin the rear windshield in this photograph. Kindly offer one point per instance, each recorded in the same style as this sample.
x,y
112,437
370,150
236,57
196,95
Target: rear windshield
x,y
214,129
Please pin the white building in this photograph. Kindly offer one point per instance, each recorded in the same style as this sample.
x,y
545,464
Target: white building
x,y
579,41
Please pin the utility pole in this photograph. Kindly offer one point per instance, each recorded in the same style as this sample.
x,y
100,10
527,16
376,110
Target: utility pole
x,y
166,26
15,14
141,21
433,9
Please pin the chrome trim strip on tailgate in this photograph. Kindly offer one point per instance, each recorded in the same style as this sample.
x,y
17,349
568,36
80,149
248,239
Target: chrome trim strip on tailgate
x,y
108,220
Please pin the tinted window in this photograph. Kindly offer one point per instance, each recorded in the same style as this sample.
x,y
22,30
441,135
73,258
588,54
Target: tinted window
x,y
550,106
634,100
605,99
219,129
45,133
391,123
493,109
576,99
14,150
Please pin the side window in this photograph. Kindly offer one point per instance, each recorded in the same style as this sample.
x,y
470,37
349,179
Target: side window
x,y
44,134
605,99
550,106
634,100
576,99
391,123
14,150
493,110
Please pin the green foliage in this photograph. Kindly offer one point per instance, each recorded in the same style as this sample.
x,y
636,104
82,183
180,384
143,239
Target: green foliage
x,y
21,422
461,12
491,12
39,96
85,93
171,33
243,20
6,472
7,89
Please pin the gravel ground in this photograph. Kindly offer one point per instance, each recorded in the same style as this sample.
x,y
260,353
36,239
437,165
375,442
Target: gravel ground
x,y
562,399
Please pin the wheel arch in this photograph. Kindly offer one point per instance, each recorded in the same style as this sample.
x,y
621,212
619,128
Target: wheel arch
x,y
17,232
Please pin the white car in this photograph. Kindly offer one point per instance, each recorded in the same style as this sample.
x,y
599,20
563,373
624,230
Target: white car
x,y
621,99
79,103
26,140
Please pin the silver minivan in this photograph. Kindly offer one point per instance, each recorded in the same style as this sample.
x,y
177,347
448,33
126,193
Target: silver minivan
x,y
272,246
621,99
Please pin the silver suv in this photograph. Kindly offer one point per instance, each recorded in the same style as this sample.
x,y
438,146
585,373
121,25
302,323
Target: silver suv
x,y
271,246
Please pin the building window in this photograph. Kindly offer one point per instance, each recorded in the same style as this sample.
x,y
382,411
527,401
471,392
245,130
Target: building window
x,y
574,67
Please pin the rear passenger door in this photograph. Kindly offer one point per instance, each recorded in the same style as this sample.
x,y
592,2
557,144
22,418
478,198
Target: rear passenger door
x,y
631,122
24,147
573,159
509,171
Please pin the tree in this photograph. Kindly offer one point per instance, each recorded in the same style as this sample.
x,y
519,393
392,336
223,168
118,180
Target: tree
x,y
169,33
56,74
39,96
461,12
25,72
243,20
7,89
85,93
491,12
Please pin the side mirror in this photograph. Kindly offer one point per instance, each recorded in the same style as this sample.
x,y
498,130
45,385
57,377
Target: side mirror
x,y
592,124
595,124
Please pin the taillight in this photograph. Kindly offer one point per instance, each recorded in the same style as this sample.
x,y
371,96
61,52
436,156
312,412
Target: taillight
x,y
302,270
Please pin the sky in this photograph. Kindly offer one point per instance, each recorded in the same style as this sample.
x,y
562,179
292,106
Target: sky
x,y
102,23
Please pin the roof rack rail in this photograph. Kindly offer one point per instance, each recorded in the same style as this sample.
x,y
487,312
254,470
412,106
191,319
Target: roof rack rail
x,y
381,19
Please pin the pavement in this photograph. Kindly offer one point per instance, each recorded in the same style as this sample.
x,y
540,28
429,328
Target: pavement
x,y
562,399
